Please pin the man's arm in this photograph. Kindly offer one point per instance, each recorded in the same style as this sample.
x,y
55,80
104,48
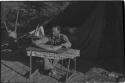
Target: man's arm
x,y
42,44
67,43
41,41
45,46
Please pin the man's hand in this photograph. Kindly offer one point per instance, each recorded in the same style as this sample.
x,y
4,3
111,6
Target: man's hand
x,y
54,48
67,45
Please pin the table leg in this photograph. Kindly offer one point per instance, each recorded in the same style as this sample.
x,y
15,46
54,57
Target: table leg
x,y
68,69
62,65
30,65
75,64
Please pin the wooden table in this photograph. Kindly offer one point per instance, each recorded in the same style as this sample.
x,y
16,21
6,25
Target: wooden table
x,y
60,54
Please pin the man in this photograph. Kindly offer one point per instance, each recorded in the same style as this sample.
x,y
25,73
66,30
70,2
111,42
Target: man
x,y
53,41
58,39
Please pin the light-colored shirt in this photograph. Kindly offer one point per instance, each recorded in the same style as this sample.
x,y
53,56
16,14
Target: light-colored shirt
x,y
59,40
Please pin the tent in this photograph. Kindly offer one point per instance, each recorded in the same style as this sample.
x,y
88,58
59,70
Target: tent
x,y
99,33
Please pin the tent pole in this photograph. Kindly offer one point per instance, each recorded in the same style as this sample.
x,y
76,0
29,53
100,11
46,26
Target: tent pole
x,y
16,20
6,26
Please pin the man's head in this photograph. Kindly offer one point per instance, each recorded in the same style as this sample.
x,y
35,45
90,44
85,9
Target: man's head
x,y
56,30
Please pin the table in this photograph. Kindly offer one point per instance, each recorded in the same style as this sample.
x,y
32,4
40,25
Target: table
x,y
60,54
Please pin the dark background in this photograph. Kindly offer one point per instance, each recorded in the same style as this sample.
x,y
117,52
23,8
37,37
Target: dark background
x,y
99,34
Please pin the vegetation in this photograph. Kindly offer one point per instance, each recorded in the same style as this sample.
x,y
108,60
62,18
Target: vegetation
x,y
24,14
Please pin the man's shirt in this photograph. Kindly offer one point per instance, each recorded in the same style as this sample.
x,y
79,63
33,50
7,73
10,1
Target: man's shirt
x,y
57,40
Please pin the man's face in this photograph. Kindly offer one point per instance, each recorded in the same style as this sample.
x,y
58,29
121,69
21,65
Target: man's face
x,y
55,31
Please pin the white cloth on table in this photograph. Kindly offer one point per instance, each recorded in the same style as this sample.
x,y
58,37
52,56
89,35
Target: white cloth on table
x,y
70,53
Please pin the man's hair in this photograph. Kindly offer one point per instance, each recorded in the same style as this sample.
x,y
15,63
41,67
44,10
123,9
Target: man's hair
x,y
58,27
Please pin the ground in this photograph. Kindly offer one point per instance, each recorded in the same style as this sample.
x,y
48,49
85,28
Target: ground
x,y
15,68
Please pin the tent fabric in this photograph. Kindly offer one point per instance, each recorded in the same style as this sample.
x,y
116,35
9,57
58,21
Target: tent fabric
x,y
99,34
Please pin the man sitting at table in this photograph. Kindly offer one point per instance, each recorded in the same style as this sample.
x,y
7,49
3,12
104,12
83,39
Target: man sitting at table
x,y
53,41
